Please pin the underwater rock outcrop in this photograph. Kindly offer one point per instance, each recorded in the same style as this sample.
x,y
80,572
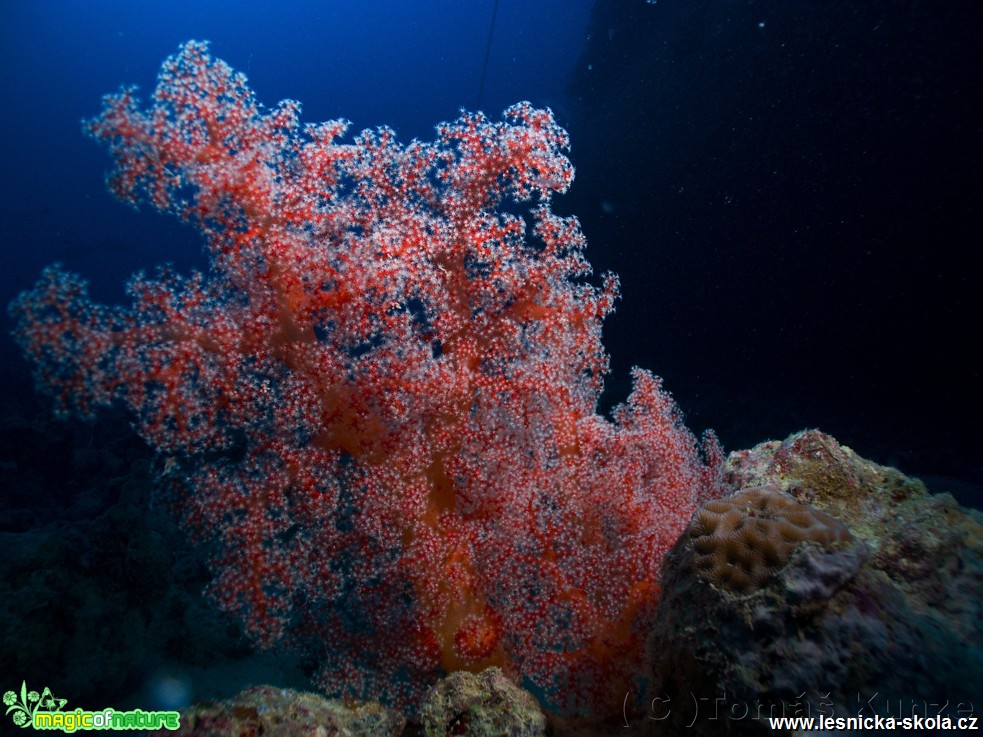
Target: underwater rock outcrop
x,y
879,613
266,710
485,704
463,704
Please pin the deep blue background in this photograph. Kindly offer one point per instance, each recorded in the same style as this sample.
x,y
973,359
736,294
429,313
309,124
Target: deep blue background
x,y
792,193
790,190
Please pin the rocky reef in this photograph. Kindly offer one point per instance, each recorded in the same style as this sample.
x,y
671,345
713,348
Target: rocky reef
x,y
823,584
265,710
836,587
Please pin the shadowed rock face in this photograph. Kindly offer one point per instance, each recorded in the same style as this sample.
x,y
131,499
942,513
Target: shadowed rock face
x,y
841,587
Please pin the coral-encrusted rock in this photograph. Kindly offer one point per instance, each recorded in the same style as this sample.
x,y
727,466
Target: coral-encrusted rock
x,y
265,710
743,540
485,704
885,622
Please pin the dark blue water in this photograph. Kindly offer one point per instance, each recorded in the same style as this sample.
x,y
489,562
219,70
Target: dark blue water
x,y
791,192
788,191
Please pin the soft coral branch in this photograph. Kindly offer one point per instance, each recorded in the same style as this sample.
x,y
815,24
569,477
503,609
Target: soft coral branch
x,y
382,395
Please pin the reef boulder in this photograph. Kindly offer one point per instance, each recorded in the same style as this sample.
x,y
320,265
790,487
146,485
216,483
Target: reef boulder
x,y
266,710
825,585
485,704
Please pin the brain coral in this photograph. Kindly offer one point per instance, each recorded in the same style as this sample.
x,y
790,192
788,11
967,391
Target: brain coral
x,y
741,541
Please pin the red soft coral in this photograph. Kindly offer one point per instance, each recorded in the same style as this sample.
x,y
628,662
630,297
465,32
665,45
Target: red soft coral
x,y
383,394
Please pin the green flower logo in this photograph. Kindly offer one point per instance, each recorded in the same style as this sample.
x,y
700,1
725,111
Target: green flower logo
x,y
25,707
